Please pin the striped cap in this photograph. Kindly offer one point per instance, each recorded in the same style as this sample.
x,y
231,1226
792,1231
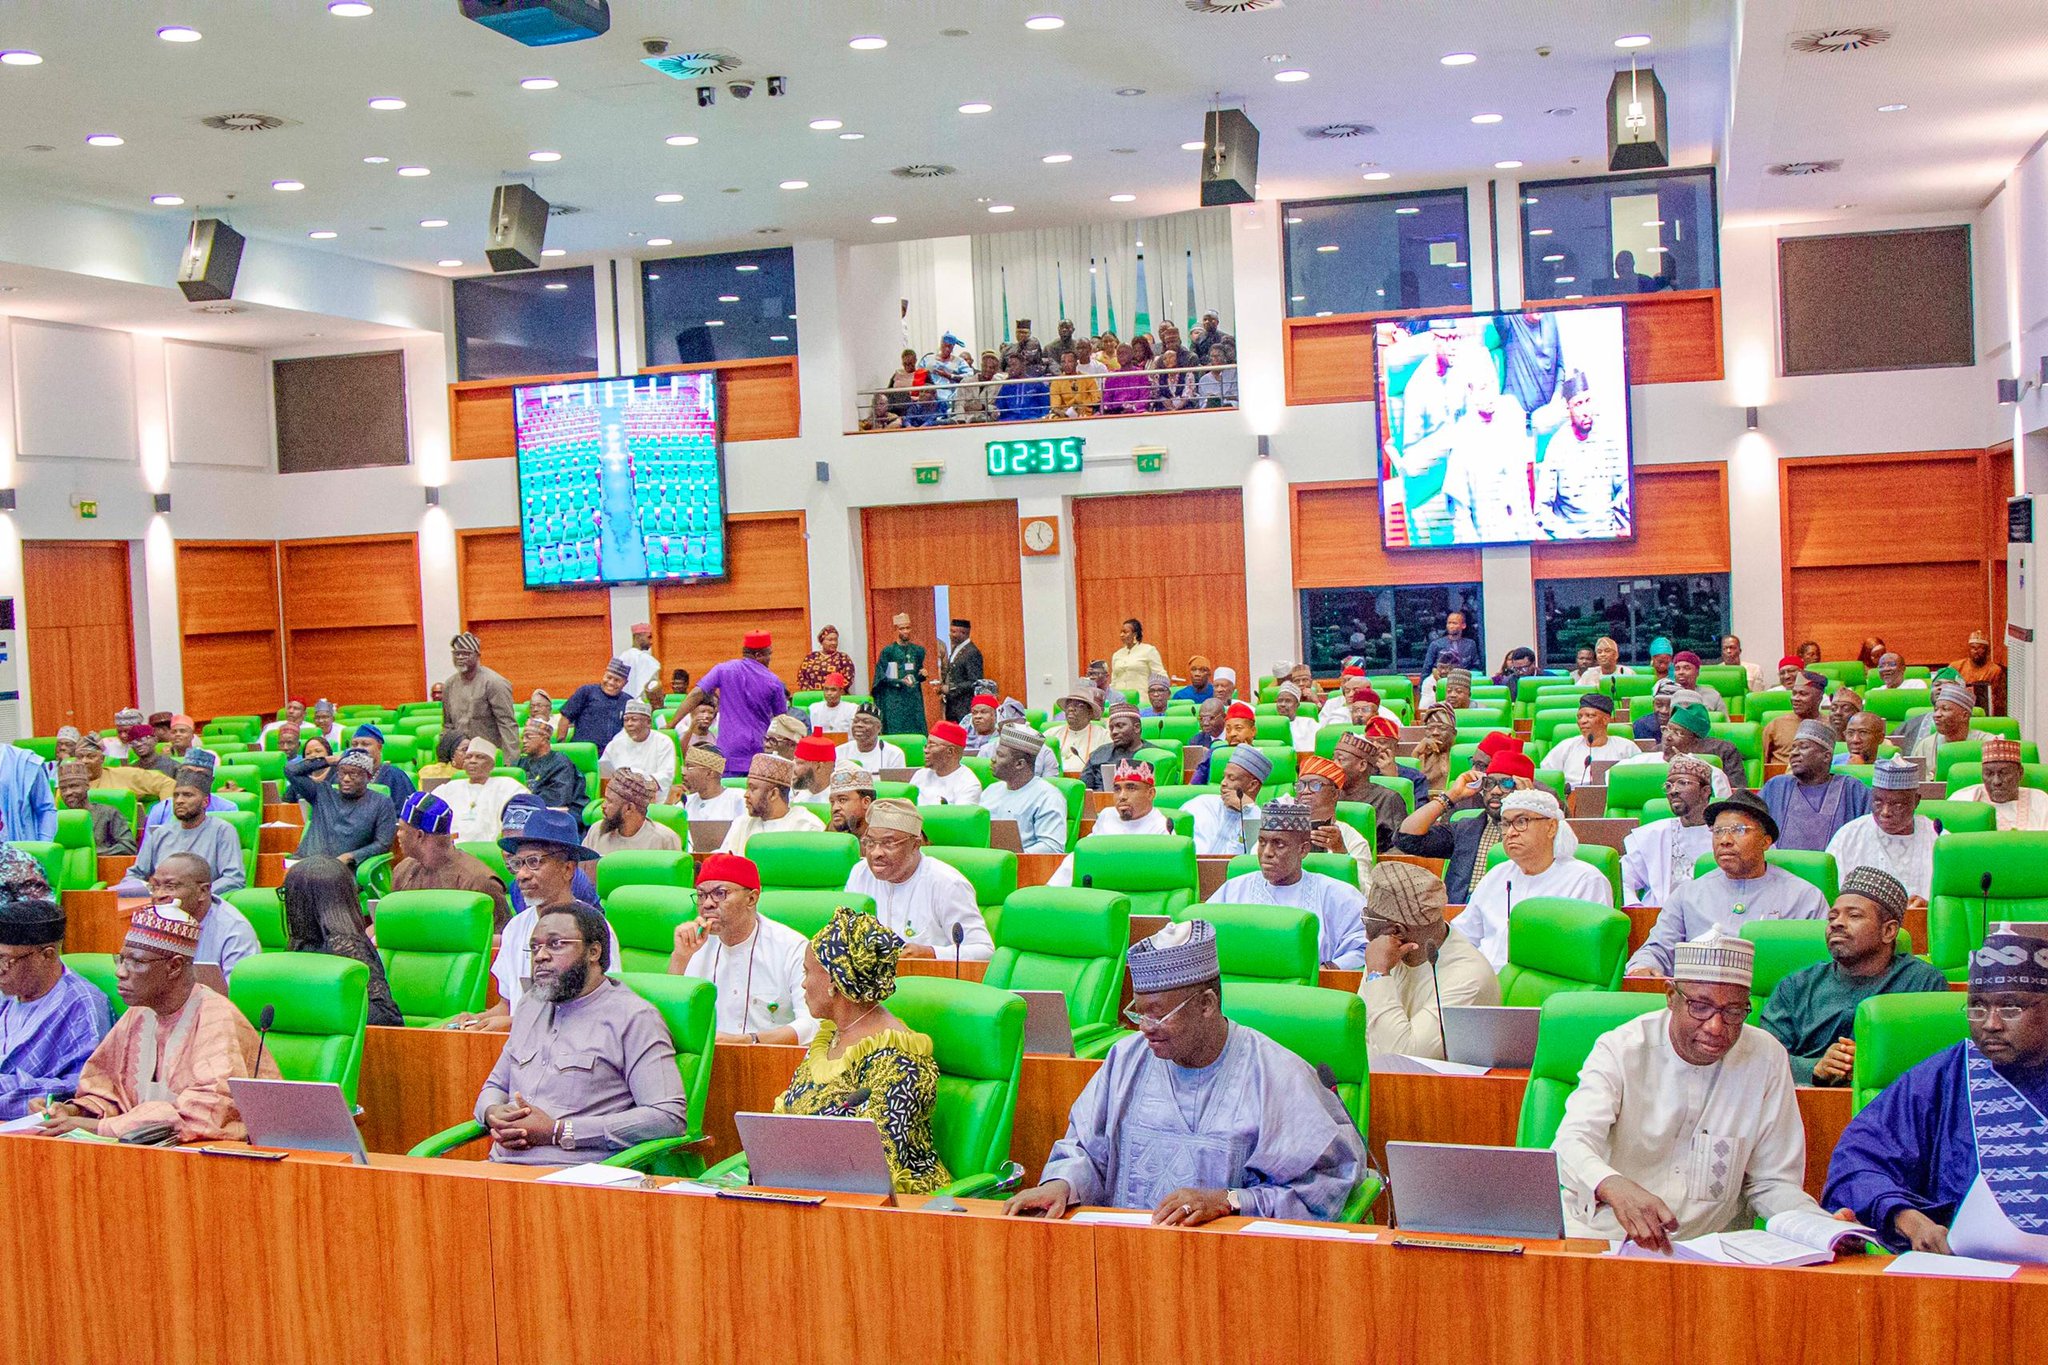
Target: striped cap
x,y
1715,958
164,929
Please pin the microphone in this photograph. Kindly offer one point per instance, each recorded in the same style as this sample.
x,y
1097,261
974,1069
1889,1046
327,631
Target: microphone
x,y
851,1106
269,1017
1984,886
959,936
1088,880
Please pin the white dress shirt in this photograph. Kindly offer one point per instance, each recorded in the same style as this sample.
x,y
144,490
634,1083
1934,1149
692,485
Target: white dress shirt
x,y
924,907
957,788
834,720
1218,828
1575,758
796,821
1485,918
729,804
655,756
1658,857
760,980
1907,857
478,806
883,755
642,668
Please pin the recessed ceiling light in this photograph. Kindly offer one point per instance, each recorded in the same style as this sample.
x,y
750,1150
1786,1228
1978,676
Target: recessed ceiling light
x,y
661,241
287,186
1507,165
1297,298
1324,313
1326,249
1553,258
1292,221
1486,118
728,298
870,43
20,57
387,102
778,337
851,137
1458,58
1378,175
796,184
1891,108
375,160
652,275
1127,91
1057,159
555,286
350,9
681,140
1121,198
554,251
670,198
1653,222
977,107
714,322
433,222
1566,279
1002,208
883,219
1044,23
826,125
746,269
103,140
1539,232
166,201
1530,199
323,235
414,170
1193,146
1633,40
543,156
1290,76
178,33
538,83
448,264
1409,209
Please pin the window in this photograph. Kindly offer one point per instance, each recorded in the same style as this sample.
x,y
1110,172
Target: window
x,y
737,306
1387,626
1620,234
1377,253
532,322
1690,610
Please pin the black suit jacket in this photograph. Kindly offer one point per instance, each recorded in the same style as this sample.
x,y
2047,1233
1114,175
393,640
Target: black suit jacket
x,y
963,671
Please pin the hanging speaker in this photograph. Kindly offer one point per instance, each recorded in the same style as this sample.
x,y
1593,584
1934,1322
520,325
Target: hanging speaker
x,y
1637,138
1230,158
519,226
213,255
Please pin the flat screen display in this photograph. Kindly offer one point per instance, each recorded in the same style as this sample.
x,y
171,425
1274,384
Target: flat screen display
x,y
1504,428
620,481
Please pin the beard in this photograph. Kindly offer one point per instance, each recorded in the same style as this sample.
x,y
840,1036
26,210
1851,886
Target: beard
x,y
569,984
611,824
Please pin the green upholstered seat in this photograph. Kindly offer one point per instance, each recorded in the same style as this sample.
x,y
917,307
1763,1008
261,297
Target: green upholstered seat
x,y
1398,785
268,763
1341,866
1814,866
645,916
1949,753
1361,817
1970,772
2016,861
122,800
487,852
373,876
1730,680
1157,871
1763,705
1571,1022
1172,796
676,818
1323,1028
912,747
1071,940
1961,817
584,755
436,947
809,860
1076,795
1556,944
322,1004
689,1006
81,855
956,826
1269,943
1785,946
642,867
1895,1033
246,828
1893,702
263,907
1629,785
1166,767
991,871
98,968
977,1035
1748,738
809,910
1607,860
1173,725
42,746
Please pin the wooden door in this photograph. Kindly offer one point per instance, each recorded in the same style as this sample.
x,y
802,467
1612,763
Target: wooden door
x,y
81,632
1175,561
971,550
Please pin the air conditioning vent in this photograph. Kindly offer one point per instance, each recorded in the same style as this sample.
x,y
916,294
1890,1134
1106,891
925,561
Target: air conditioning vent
x,y
220,310
1232,6
924,170
1824,42
690,66
246,123
1804,168
1337,132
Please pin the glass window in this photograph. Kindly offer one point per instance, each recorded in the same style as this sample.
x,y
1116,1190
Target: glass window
x,y
1620,234
740,305
532,322
1377,253
1690,610
1387,626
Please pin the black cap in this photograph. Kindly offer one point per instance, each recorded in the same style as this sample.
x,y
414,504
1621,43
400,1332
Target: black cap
x,y
30,923
1599,701
1750,804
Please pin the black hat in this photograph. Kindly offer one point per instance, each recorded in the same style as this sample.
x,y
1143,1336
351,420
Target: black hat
x,y
1750,804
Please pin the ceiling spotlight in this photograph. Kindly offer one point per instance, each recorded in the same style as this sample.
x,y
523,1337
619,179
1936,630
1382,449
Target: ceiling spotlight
x,y
653,275
681,140
166,201
1539,232
323,235
1128,91
103,140
178,33
1891,108
414,171
375,160
448,264
1002,208
350,9
1486,118
1056,159
1193,146
1507,165
1633,40
796,184
554,251
287,186
1121,198
1327,249
20,57
1378,175
1290,76
557,285
387,103
661,241
1566,279
1458,58
1553,258
976,107
714,322
778,337
1409,209
1044,23
851,137
728,298
827,125
543,156
433,222
870,43
539,83
670,198
883,219
746,269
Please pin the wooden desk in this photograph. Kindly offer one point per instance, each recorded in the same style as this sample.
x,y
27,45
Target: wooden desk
x,y
94,922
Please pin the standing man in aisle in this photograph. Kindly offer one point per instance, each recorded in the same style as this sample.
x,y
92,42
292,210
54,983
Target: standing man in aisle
x,y
961,673
476,700
899,681
642,667
749,697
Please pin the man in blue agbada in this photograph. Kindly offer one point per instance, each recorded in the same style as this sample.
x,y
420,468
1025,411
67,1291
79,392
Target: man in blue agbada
x,y
1196,1117
1953,1156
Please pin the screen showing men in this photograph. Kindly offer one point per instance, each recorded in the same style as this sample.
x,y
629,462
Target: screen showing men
x,y
620,480
1504,428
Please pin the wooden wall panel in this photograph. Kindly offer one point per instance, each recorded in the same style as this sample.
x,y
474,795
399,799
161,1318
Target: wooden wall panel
x,y
1822,498
1681,528
352,618
1924,611
972,549
1337,543
80,632
1173,560
1329,360
768,588
557,639
232,637
758,397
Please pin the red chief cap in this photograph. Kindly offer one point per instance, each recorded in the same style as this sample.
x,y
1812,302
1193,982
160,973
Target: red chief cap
x,y
1512,763
1791,661
756,639
1498,742
815,751
1239,711
1366,694
730,867
835,680
948,732
985,699
1352,672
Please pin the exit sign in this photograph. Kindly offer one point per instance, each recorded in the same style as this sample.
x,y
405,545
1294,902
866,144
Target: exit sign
x,y
926,474
1150,461
88,508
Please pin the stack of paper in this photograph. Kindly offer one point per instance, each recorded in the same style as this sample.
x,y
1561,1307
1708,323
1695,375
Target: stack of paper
x,y
592,1174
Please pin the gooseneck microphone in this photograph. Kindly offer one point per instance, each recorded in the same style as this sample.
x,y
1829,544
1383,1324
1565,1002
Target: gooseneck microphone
x,y
959,936
1984,887
269,1017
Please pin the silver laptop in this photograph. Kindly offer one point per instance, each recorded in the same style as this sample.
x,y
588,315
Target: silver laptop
x,y
1491,1035
1047,1030
302,1116
1485,1191
814,1152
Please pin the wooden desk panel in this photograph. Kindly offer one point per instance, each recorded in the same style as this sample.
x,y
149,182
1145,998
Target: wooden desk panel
x,y
416,1082
94,922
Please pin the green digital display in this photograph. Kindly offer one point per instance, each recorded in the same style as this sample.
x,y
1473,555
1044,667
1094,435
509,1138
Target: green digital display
x,y
1046,455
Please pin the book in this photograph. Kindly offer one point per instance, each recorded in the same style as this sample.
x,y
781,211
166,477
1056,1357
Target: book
x,y
1792,1238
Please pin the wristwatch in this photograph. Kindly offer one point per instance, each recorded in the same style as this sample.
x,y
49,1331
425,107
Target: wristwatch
x,y
568,1135
1235,1198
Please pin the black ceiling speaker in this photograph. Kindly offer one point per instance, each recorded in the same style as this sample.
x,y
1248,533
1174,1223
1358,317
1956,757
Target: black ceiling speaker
x,y
213,254
519,225
1637,137
1230,158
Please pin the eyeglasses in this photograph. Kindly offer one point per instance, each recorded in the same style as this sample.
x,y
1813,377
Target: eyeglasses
x,y
10,960
1309,786
2007,1014
1521,823
1701,1011
1739,830
552,945
528,862
1149,1023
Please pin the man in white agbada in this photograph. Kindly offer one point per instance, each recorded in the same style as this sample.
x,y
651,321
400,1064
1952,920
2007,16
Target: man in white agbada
x,y
921,899
1219,818
1080,733
769,778
642,748
642,667
942,781
834,713
1414,964
756,964
1594,743
1301,730
1020,794
1538,845
478,799
1133,789
1894,837
865,747
2016,807
1742,887
1280,880
1659,857
706,797
1684,1121
1196,1118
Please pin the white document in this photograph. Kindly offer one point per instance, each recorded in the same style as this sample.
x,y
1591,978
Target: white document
x,y
27,1123
695,1187
1402,1064
591,1174
1794,1237
1136,1218
1982,1229
1962,1267
1333,1232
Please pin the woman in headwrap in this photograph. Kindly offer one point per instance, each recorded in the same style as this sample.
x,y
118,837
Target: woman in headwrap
x,y
828,658
849,970
1433,751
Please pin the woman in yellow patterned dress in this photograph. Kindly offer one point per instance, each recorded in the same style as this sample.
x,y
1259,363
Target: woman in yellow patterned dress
x,y
849,970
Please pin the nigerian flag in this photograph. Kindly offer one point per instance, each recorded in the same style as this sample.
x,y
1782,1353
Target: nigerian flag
x,y
1142,323
1003,276
1094,318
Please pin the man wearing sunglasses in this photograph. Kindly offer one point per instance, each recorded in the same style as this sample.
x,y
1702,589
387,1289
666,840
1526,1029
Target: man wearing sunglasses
x,y
1742,887
1464,844
1952,1157
1685,1121
1195,1117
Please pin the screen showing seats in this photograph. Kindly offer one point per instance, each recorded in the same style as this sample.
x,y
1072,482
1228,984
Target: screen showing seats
x,y
1504,428
620,481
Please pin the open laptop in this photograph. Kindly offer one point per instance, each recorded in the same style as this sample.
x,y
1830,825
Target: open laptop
x,y
1491,1035
814,1152
1484,1191
1047,1030
303,1116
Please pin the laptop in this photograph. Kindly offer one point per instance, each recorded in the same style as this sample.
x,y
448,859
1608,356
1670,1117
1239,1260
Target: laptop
x,y
1047,1030
1484,1191
1491,1035
842,1154
303,1116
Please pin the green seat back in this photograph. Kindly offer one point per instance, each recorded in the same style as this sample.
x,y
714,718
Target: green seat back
x,y
956,826
1165,762
1157,871
1730,680
1629,785
689,1006
98,968
1607,860
42,746
121,799
1895,1033
1970,772
490,855
1076,794
1322,1027
808,911
1284,763
1963,817
912,747
1066,939
1949,753
1174,795
322,1005
247,830
263,907
977,1034
436,947
643,867
812,860
81,856
1761,706
1893,702
373,876
1571,1022
676,818
1269,943
1814,866
1180,726
1556,944
644,915
1783,946
242,775
1392,686
1400,786
582,753
1361,817
1957,911
1341,866
992,872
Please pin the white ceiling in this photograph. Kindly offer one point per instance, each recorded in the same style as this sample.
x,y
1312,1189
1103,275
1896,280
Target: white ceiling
x,y
92,301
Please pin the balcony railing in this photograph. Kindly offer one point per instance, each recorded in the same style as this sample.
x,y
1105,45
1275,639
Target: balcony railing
x,y
1049,398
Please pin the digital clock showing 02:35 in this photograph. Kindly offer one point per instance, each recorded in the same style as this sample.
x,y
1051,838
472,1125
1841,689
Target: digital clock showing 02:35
x,y
1047,455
